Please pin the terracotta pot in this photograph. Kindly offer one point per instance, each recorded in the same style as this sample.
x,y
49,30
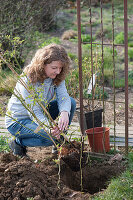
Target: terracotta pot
x,y
97,140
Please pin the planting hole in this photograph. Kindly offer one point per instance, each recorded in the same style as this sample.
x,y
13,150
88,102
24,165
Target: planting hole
x,y
95,175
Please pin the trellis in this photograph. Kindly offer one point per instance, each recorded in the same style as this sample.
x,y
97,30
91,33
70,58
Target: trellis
x,y
125,46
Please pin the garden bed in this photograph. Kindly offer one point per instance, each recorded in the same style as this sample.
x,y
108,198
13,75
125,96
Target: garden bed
x,y
36,177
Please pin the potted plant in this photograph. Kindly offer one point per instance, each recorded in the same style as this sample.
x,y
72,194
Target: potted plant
x,y
98,136
92,110
92,95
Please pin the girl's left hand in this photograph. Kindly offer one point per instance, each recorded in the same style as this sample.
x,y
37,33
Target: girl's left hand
x,y
63,121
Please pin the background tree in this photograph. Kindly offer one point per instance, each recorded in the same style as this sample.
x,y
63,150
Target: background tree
x,y
18,18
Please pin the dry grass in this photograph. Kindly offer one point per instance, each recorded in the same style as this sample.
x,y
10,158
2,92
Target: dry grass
x,y
69,34
7,84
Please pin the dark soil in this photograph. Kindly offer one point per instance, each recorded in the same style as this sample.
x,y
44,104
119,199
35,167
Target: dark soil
x,y
37,176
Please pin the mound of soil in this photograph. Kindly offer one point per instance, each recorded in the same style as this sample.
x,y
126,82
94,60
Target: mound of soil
x,y
37,177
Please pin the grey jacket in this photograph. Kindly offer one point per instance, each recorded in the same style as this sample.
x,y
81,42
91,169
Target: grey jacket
x,y
45,92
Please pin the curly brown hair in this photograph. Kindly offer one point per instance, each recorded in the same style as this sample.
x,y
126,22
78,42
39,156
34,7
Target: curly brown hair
x,y
53,52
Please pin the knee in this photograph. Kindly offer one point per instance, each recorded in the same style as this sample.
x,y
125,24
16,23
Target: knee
x,y
73,103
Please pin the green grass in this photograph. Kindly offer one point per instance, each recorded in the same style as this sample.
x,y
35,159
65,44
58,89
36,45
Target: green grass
x,y
130,74
119,39
120,83
49,41
63,19
130,54
35,40
4,144
72,56
120,188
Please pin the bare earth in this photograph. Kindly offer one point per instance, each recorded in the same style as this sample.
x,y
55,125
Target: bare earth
x,y
38,177
119,108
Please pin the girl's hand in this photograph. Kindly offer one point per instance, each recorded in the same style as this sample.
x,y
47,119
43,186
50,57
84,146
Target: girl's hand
x,y
63,121
55,132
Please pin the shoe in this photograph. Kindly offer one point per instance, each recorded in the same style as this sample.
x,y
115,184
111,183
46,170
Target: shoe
x,y
54,150
17,149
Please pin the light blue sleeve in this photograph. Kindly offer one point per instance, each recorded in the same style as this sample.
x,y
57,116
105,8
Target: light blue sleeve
x,y
29,100
63,99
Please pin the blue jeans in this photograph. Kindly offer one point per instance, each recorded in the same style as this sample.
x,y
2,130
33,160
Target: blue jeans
x,y
23,130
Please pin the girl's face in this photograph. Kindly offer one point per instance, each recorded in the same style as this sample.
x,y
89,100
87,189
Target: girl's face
x,y
53,69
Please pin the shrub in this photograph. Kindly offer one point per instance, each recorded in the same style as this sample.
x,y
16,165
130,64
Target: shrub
x,y
21,16
12,51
